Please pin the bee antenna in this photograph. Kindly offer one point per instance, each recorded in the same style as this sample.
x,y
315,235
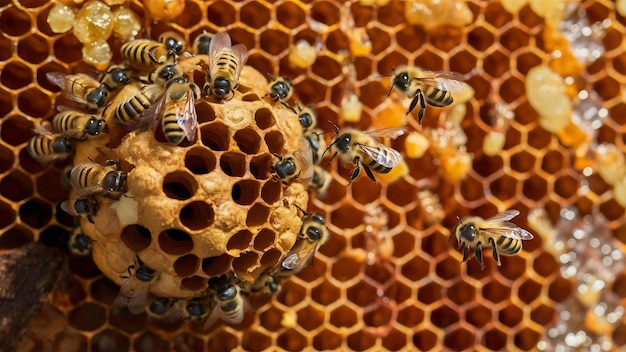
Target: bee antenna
x,y
334,125
270,75
289,107
302,210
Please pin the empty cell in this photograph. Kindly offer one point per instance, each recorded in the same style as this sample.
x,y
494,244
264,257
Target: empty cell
x,y
136,237
255,15
14,21
264,118
496,292
245,192
463,62
15,236
479,316
6,48
271,191
16,186
325,12
233,164
496,15
461,292
186,265
365,192
104,290
496,64
346,270
446,38
179,185
343,316
125,321
415,269
290,14
264,239
193,283
204,112
425,340
34,213
197,215
215,136
274,42
239,241
459,339
429,293
33,102
149,341
480,38
444,316
410,316
200,161
215,266
221,13
254,340
526,339
271,318
257,215
326,68
174,241
270,258
33,49
67,48
291,340
381,316
510,316
248,140
310,318
325,293
514,38
535,188
495,339
261,165
529,291
16,75
87,317
543,314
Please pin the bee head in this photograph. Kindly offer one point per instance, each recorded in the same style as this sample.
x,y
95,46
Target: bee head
x,y
114,181
306,120
227,293
167,72
281,88
203,42
119,75
97,96
173,44
468,232
343,142
286,167
401,81
61,145
95,125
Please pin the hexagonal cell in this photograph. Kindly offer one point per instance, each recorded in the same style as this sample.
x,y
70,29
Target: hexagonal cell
x,y
149,341
429,293
205,112
511,89
274,42
15,75
275,142
257,215
16,186
394,340
200,161
245,192
264,239
136,237
248,140
87,317
271,191
193,283
175,241
463,62
459,339
480,38
543,314
291,340
361,294
415,269
290,15
472,189
14,237
109,340
233,164
34,102
425,340
435,244
188,342
327,340
186,265
14,21
526,338
510,316
566,186
16,130
179,185
34,213
325,12
495,340
327,68
607,87
496,64
125,321
560,289
444,316
197,215
479,316
496,292
34,48
429,61
216,136
461,293
325,293
361,341
261,165
215,266
221,14
310,318
514,38
447,38
529,291
239,241
535,188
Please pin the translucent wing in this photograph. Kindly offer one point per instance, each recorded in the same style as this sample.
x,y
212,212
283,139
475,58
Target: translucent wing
x,y
56,78
443,80
291,262
139,301
385,156
241,52
187,117
152,115
44,129
504,216
392,132
500,225
218,43
68,207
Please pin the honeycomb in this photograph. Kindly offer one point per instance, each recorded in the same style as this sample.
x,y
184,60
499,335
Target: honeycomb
x,y
387,278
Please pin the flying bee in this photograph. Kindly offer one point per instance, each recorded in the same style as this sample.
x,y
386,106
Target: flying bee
x,y
504,237
79,243
432,87
306,116
280,88
202,43
317,142
320,181
78,125
134,292
228,302
80,88
113,78
225,65
85,207
92,178
362,149
313,234
45,146
297,166
130,112
176,110
147,53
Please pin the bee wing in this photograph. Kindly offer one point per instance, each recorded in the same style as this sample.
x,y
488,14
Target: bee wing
x,y
385,156
212,318
187,117
291,262
443,80
504,216
68,207
151,116
392,132
510,230
56,78
305,155
89,191
241,52
219,42
43,130
139,301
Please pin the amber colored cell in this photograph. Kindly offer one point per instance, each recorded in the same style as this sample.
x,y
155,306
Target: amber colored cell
x,y
186,265
545,265
187,342
619,286
291,340
240,240
271,191
34,102
67,49
136,237
264,239
552,161
496,15
480,38
522,161
494,339
326,68
461,293
274,42
248,140
290,14
197,215
15,75
425,340
364,191
16,186
221,13
253,340
14,237
270,257
109,340
472,189
326,293
199,161
619,334
275,142
543,314
327,340
260,166
6,48
16,130
149,341
205,112
104,290
233,164
514,39
526,339
512,89
343,316
87,317
496,64
415,269
215,136
245,192
535,188
444,316
607,88
559,289
487,166
179,185
271,318
459,339
35,213
33,49
463,62
566,186
510,316
479,316
14,21
257,215
216,265
429,293
125,321
325,12
341,218
174,241
496,292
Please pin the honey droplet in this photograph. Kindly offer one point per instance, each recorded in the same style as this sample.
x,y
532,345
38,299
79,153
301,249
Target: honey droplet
x,y
98,53
60,18
94,21
125,23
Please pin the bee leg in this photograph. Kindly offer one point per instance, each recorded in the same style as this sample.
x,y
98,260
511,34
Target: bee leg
x,y
90,219
420,114
369,173
357,169
479,255
153,58
415,100
494,250
465,253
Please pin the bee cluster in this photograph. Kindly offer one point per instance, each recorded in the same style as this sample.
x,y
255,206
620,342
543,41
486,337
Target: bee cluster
x,y
187,226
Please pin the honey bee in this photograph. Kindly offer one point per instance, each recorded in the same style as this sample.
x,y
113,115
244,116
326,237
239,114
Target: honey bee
x,y
265,285
176,110
297,166
280,88
306,116
318,144
134,292
432,87
113,78
313,234
202,43
80,88
77,125
85,207
92,178
504,237
129,112
225,65
79,243
160,308
45,146
147,53
362,149
320,181
229,304
195,309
